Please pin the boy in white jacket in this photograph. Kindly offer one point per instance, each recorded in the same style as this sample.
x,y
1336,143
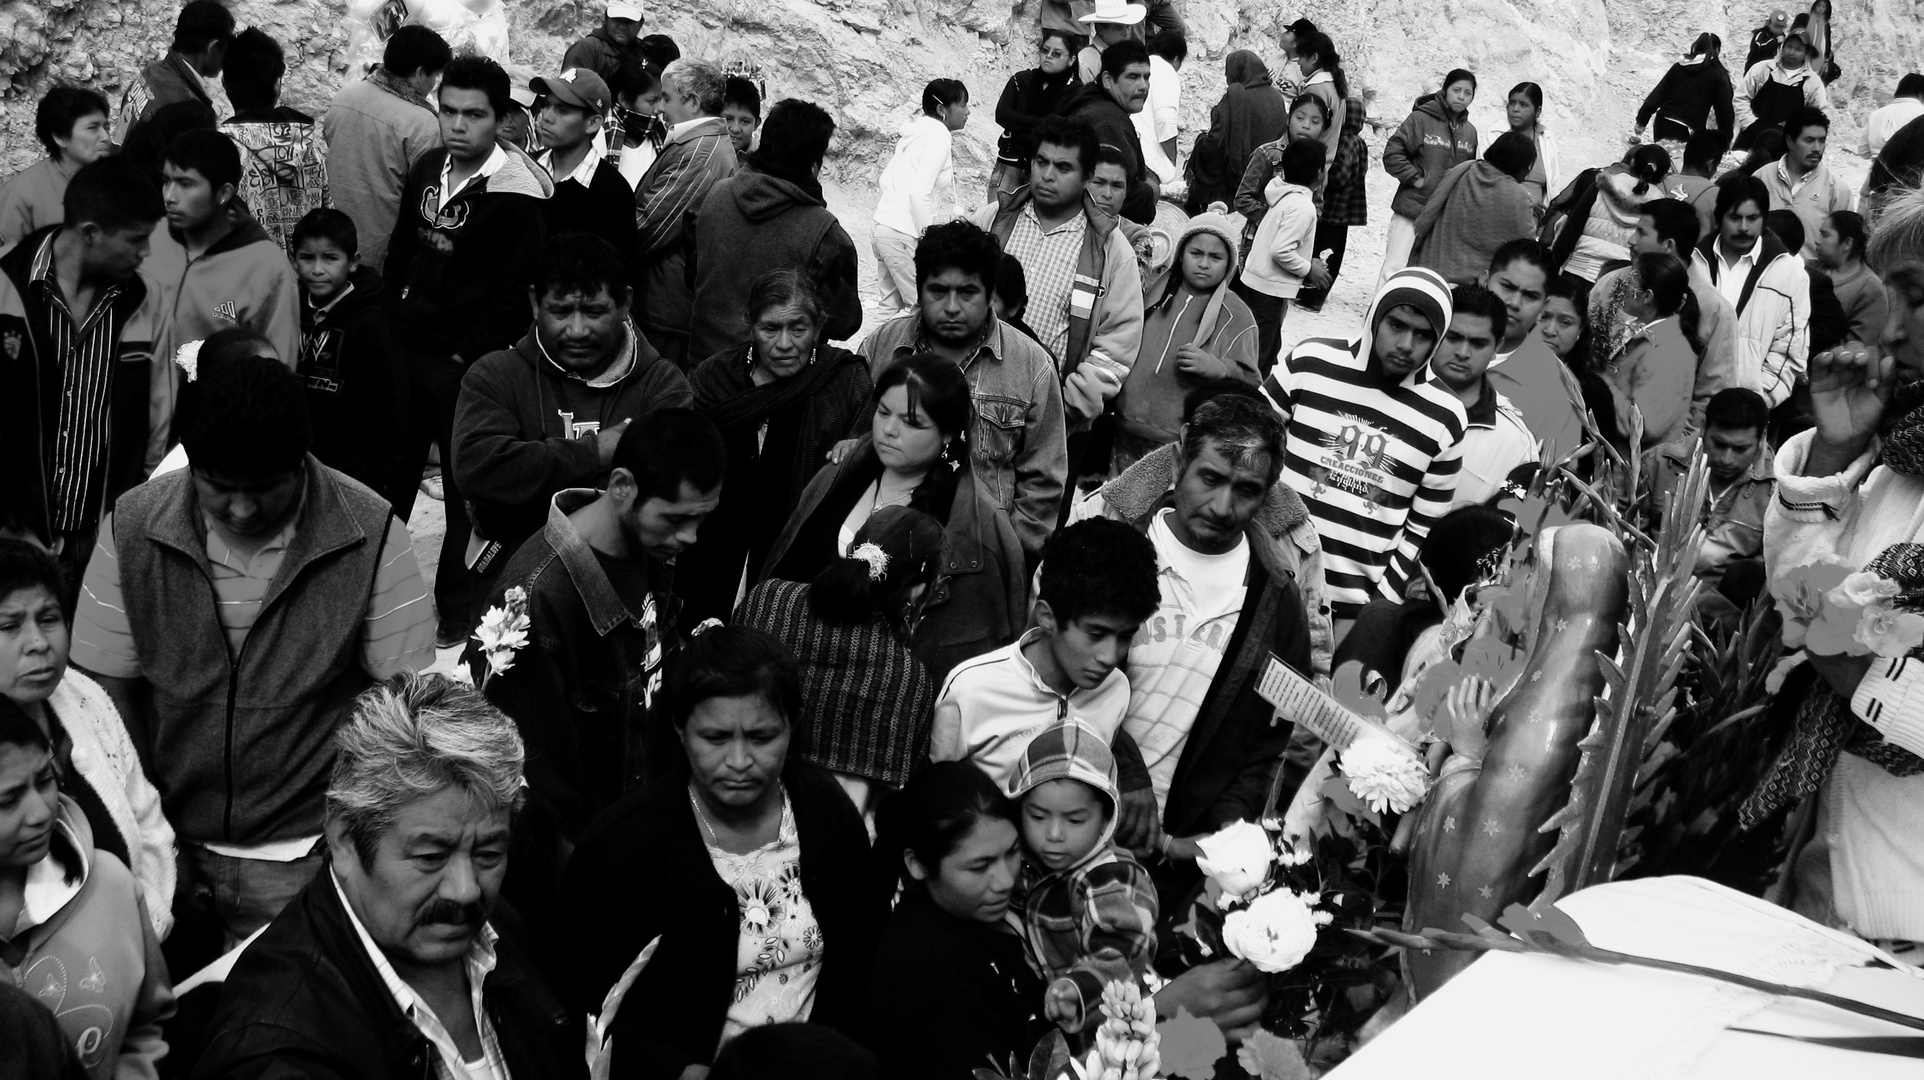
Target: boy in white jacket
x,y
1283,255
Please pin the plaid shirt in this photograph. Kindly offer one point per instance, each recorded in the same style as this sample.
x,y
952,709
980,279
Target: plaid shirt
x,y
1346,192
1048,259
1092,925
449,1064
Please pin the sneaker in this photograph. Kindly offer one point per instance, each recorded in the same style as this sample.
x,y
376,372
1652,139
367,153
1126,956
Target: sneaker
x,y
431,487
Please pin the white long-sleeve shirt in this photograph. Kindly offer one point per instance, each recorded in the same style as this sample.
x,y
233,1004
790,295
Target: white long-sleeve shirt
x,y
918,186
1159,119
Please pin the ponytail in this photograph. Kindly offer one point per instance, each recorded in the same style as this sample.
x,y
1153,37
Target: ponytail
x,y
1689,316
1649,163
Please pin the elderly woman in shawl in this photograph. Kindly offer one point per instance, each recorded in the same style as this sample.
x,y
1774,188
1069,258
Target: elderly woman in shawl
x,y
781,399
1252,112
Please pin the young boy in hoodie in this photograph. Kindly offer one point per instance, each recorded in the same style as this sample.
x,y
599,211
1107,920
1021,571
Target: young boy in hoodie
x,y
77,936
216,266
1096,586
356,387
1282,257
1087,907
1194,329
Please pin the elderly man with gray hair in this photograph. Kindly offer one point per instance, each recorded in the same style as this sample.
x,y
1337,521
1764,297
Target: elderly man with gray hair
x,y
696,156
397,962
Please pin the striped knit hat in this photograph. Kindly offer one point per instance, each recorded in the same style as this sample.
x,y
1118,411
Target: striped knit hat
x,y
1415,287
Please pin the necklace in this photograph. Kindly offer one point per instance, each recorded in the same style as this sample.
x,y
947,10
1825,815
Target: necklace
x,y
702,816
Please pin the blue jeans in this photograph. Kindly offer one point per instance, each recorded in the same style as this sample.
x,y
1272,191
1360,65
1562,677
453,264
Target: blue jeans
x,y
242,895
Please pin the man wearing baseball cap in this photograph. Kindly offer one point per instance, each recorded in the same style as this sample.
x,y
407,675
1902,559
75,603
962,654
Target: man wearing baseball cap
x,y
589,194
1767,39
618,36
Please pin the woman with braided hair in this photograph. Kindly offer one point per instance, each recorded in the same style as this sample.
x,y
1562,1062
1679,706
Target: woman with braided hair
x,y
1851,489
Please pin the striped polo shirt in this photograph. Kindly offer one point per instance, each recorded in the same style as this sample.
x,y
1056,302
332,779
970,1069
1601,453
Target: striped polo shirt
x,y
1376,467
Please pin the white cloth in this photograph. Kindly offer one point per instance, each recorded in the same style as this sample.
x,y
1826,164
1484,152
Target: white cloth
x,y
1174,658
1397,243
1003,703
584,172
1513,1016
635,161
496,161
918,185
778,953
1491,452
1158,120
1886,122
48,887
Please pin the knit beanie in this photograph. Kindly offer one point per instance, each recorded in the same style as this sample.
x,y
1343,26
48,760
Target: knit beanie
x,y
1417,287
1219,226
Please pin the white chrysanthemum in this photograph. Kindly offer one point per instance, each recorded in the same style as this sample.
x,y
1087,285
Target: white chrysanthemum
x,y
1276,931
1385,774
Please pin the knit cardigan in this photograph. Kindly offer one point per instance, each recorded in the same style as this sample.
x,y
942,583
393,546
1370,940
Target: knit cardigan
x,y
866,699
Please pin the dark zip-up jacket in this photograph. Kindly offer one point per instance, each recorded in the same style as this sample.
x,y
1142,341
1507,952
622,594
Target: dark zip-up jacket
x,y
1093,105
305,1000
241,747
1690,94
30,383
1030,97
356,388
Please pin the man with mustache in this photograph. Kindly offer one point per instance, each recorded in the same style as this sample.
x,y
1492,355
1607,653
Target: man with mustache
x,y
1109,105
392,963
1373,443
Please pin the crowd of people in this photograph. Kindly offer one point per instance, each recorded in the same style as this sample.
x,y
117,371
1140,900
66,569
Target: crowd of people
x,y
839,700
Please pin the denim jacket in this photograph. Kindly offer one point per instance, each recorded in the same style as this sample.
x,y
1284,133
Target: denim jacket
x,y
582,691
1019,445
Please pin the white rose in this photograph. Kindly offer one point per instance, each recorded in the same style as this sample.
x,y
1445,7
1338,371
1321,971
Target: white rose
x,y
1237,858
1385,774
1275,932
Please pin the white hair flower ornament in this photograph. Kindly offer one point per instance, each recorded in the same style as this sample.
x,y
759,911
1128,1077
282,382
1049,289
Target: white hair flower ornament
x,y
877,559
188,358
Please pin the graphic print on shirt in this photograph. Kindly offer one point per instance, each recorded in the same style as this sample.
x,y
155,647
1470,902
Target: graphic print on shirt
x,y
226,312
90,1026
651,657
441,222
586,429
1357,461
320,366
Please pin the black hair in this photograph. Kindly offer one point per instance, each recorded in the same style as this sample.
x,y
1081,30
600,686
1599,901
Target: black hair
x,y
1675,221
412,49
1649,163
1215,388
254,64
113,194
667,448
1806,116
1117,58
579,262
794,141
1099,567
19,729
329,224
942,92
1911,85
1012,283
1300,29
1668,279
779,288
1788,227
1241,428
847,591
740,91
26,565
475,72
148,139
202,23
1110,155
1512,153
208,152
659,50
1455,76
243,415
1529,90
1707,44
1849,226
957,245
1171,45
1737,408
60,109
794,1051
1458,544
1734,191
1473,299
1523,250
1576,291
937,389
1303,161
1317,44
1070,133
732,661
1703,150
933,813
1311,99
1071,40
1768,147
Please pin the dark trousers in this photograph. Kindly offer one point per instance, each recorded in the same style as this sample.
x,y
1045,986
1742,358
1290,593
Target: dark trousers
x,y
1333,238
434,385
1269,311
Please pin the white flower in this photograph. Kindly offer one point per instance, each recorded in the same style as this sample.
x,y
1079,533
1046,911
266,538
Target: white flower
x,y
1889,633
1275,932
188,359
504,630
871,553
1862,589
1385,774
1237,858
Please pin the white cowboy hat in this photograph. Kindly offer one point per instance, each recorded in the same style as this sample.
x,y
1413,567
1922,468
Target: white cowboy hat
x,y
1116,11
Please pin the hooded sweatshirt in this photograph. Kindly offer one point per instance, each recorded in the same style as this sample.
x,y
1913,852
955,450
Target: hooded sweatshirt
x,y
1251,113
458,268
283,168
90,956
525,427
1285,243
1220,324
1428,144
1691,93
356,386
1092,919
1476,209
753,223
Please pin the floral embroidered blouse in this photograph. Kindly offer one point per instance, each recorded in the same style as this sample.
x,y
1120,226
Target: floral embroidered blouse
x,y
779,950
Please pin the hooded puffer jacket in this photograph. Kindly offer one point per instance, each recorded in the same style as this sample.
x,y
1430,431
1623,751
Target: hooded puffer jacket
x,y
1427,145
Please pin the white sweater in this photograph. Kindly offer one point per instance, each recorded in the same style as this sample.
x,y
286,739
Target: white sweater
x,y
918,186
1874,820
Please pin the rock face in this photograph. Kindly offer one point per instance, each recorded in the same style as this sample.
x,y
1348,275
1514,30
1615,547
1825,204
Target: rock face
x,y
866,60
